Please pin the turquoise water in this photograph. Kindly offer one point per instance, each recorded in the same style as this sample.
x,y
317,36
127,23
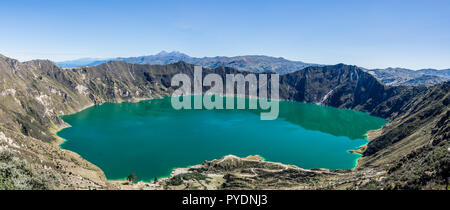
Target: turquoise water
x,y
150,138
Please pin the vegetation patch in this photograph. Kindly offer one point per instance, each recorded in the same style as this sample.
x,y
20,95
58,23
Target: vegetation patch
x,y
17,174
178,179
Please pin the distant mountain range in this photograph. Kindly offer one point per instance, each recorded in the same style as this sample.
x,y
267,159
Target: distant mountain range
x,y
252,63
407,77
82,62
261,63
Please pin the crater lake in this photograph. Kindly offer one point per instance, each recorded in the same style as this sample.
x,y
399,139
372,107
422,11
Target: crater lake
x,y
150,138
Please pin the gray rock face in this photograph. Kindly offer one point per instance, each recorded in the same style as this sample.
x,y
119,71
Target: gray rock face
x,y
33,94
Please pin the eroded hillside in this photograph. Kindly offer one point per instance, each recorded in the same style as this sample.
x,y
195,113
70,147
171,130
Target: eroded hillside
x,y
33,95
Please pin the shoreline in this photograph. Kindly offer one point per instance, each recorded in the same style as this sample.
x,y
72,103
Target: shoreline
x,y
60,141
370,135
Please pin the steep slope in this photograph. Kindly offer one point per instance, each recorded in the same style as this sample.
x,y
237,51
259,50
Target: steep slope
x,y
414,148
30,102
346,87
412,152
34,94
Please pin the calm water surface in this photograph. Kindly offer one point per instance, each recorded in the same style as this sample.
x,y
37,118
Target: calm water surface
x,y
150,138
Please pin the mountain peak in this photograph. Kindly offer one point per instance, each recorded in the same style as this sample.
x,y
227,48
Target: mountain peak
x,y
4,57
173,53
163,53
7,59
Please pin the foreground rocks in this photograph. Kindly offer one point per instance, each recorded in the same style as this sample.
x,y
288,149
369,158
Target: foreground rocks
x,y
253,173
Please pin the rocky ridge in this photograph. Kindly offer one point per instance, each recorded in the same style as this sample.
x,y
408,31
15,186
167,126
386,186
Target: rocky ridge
x,y
33,94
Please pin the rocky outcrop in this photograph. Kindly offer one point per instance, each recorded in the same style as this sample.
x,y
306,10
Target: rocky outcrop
x,y
33,94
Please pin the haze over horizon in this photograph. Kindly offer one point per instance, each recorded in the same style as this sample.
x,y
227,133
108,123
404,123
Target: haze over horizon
x,y
375,34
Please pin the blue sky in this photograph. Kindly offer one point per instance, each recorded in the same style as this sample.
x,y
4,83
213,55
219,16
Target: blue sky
x,y
373,34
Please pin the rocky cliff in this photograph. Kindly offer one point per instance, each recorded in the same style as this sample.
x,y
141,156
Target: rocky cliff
x,y
33,94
